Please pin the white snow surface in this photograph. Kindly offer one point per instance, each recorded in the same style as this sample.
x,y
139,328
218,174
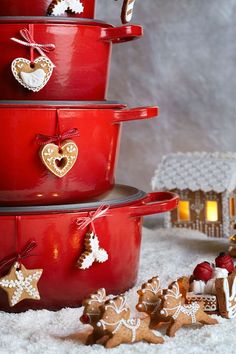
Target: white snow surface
x,y
168,253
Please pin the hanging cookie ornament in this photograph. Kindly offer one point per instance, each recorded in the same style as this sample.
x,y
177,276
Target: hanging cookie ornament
x,y
92,250
58,153
20,283
33,74
59,7
59,160
127,11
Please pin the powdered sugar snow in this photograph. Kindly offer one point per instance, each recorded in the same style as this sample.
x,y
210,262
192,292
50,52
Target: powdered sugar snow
x,y
167,253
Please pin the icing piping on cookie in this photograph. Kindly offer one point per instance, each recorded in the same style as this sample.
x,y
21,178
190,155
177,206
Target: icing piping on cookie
x,y
188,310
132,324
93,252
230,300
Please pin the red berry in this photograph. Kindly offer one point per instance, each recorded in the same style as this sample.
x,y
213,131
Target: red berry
x,y
85,319
203,271
225,261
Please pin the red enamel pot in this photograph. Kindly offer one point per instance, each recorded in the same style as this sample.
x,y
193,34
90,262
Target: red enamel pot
x,y
42,8
25,180
60,243
81,56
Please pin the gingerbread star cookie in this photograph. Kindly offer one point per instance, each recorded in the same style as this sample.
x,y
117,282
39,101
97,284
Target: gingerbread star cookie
x,y
21,283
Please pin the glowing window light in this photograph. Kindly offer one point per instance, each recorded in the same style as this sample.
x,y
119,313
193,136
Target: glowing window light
x,y
211,210
232,207
184,211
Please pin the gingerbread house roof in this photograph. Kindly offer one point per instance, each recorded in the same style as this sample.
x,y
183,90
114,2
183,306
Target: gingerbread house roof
x,y
197,171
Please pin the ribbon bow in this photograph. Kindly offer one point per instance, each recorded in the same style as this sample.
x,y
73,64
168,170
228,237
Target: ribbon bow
x,y
24,253
30,42
47,139
84,221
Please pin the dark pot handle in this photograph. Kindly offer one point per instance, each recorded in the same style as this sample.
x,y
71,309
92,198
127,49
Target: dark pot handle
x,y
125,115
154,203
121,34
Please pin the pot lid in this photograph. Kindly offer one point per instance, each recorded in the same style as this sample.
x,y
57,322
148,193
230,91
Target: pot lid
x,y
53,19
62,104
119,196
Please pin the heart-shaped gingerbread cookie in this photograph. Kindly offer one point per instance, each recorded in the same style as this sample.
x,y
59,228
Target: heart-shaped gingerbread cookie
x,y
32,76
59,161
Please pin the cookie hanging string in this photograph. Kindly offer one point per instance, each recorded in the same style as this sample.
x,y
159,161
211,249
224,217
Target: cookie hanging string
x,y
31,33
85,221
92,250
28,36
58,137
20,254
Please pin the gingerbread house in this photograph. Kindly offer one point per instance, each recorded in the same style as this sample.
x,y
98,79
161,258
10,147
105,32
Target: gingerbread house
x,y
206,184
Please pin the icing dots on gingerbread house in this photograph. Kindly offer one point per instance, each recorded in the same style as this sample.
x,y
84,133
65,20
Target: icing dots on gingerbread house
x,y
206,184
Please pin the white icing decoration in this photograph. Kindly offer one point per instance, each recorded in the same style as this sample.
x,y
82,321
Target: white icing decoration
x,y
154,288
50,155
132,324
129,10
210,287
220,273
194,171
230,298
200,287
118,309
210,301
100,296
188,310
22,284
34,80
197,286
96,254
64,5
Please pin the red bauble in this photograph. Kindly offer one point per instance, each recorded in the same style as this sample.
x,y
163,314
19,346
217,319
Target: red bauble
x,y
225,261
203,271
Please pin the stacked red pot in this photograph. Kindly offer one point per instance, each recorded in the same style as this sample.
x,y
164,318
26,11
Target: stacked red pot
x,y
65,222
76,8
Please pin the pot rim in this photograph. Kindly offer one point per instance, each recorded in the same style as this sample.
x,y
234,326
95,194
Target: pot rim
x,y
59,104
130,195
54,20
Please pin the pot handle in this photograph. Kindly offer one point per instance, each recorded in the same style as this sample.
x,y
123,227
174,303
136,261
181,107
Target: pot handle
x,y
154,203
125,115
121,34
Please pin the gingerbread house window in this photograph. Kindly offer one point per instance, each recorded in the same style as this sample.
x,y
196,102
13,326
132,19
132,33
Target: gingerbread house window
x,y
211,210
184,210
